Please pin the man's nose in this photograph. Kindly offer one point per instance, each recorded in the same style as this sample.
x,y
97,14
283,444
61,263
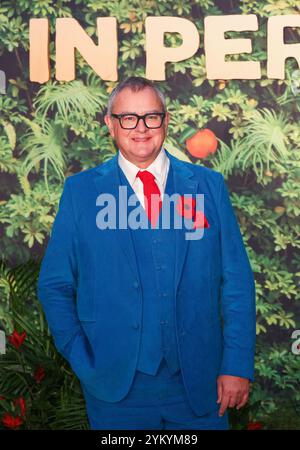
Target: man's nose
x,y
141,126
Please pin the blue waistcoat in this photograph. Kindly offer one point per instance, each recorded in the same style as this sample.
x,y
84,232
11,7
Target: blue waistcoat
x,y
154,249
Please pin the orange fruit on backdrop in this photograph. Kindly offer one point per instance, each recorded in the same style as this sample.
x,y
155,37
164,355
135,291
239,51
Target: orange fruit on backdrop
x,y
202,143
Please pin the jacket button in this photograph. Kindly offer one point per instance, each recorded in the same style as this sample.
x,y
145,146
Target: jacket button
x,y
135,325
136,284
164,322
156,241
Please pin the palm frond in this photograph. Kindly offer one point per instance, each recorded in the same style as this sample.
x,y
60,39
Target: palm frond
x,y
45,143
74,99
265,141
225,160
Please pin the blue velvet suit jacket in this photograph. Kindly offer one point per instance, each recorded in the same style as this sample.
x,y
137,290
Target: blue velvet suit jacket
x,y
92,298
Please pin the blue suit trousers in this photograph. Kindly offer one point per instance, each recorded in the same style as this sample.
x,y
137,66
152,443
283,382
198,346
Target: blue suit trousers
x,y
154,402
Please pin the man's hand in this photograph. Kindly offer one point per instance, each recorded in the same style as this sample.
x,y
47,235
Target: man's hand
x,y
232,391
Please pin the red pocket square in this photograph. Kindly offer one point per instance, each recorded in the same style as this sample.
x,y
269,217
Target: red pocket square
x,y
186,207
200,220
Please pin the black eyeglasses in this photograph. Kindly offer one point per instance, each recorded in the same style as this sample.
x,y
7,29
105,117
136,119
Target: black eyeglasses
x,y
130,121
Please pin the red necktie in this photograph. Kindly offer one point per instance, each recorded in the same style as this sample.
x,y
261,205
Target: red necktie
x,y
153,203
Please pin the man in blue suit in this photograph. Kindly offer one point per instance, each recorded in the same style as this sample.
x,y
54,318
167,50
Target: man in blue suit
x,y
159,328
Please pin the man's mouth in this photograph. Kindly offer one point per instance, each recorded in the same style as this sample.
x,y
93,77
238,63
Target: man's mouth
x,y
141,139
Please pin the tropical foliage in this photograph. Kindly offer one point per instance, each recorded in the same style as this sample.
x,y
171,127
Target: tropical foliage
x,y
50,131
38,387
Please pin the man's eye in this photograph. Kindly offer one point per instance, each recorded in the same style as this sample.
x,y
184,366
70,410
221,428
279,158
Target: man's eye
x,y
129,118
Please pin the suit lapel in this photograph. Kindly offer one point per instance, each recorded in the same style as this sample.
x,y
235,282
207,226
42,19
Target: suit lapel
x,y
183,184
107,181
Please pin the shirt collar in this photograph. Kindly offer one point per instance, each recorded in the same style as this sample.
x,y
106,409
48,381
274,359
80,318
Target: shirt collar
x,y
157,167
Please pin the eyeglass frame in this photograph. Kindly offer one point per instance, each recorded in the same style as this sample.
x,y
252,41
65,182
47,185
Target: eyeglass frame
x,y
119,117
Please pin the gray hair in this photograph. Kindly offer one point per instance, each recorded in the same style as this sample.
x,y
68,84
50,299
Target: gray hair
x,y
136,84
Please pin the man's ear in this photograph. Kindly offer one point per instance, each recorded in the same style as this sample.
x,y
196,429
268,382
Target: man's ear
x,y
109,124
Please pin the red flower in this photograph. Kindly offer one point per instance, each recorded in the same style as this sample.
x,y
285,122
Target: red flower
x,y
186,207
200,220
21,403
2,398
17,339
10,421
254,426
39,374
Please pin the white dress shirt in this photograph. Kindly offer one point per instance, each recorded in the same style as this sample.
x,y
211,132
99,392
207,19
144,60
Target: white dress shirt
x,y
159,168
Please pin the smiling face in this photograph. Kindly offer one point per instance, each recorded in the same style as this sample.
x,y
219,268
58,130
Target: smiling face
x,y
140,145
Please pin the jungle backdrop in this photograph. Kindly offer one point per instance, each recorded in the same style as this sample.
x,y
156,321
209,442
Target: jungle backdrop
x,y
48,132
